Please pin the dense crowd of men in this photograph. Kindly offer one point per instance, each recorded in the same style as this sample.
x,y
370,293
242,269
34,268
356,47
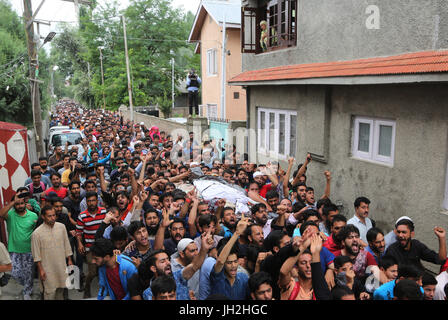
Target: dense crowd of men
x,y
120,205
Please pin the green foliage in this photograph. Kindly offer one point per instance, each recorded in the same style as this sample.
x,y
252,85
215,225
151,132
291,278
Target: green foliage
x,y
164,104
15,96
154,29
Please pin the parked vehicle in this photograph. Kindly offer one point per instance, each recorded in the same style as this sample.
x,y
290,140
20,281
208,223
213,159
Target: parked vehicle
x,y
61,137
58,128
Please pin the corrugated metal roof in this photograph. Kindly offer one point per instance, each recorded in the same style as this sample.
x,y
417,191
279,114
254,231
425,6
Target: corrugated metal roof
x,y
218,10
230,9
409,63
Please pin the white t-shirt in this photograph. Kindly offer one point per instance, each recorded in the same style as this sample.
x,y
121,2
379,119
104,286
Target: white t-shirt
x,y
4,258
442,280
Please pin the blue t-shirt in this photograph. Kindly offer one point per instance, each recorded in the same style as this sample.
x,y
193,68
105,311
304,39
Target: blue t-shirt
x,y
181,287
386,291
219,284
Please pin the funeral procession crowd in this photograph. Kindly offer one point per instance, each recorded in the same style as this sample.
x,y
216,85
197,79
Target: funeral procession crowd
x,y
161,217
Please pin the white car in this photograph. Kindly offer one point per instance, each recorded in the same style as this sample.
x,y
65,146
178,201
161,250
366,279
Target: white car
x,y
58,128
60,137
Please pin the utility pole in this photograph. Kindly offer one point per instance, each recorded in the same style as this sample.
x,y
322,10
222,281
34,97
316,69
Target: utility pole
x,y
223,70
34,71
131,107
102,78
172,79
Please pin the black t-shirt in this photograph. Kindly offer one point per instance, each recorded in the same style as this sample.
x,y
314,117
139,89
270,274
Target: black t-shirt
x,y
135,286
418,252
72,206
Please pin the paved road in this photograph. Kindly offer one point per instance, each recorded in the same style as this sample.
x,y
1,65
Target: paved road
x,y
13,291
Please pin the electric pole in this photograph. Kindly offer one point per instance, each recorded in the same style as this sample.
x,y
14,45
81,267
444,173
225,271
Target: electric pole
x,y
172,79
34,71
131,107
102,78
223,70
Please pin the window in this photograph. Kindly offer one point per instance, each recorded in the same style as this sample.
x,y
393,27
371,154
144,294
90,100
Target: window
x,y
280,30
374,140
236,95
212,111
277,132
212,66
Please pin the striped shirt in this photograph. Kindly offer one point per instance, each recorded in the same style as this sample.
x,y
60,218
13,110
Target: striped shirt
x,y
87,225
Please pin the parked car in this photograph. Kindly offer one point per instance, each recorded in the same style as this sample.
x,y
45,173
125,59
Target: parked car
x,y
58,128
61,137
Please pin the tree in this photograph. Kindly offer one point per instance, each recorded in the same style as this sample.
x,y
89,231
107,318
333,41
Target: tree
x,y
15,94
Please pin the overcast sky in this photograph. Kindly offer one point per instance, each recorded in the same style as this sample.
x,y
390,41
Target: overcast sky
x,y
59,10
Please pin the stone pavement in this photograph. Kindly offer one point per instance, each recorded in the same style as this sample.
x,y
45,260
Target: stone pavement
x,y
13,291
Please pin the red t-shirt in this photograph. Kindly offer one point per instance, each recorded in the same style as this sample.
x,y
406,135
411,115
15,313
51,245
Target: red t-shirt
x,y
62,192
264,189
444,267
369,258
331,245
113,277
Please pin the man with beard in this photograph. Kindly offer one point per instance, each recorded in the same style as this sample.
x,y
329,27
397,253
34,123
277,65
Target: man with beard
x,y
20,224
123,204
73,200
411,251
311,284
90,186
87,224
375,238
152,220
57,187
362,259
139,234
56,161
114,271
187,250
242,179
333,243
228,222
160,264
61,217
273,200
301,192
260,217
327,214
177,232
44,168
50,247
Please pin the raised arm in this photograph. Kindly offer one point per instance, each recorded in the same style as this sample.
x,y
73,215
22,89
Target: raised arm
x,y
441,235
160,235
286,177
327,186
302,170
240,228
5,209
195,265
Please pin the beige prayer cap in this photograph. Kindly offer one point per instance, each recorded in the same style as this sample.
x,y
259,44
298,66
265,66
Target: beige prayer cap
x,y
263,22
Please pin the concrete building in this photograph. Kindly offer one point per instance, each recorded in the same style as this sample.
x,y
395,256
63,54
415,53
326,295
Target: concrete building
x,y
207,33
364,89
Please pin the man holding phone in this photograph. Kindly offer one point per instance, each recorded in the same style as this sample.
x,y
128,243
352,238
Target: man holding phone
x,y
20,223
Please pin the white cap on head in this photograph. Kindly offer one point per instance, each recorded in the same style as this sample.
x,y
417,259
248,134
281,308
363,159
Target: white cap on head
x,y
257,174
183,244
403,218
